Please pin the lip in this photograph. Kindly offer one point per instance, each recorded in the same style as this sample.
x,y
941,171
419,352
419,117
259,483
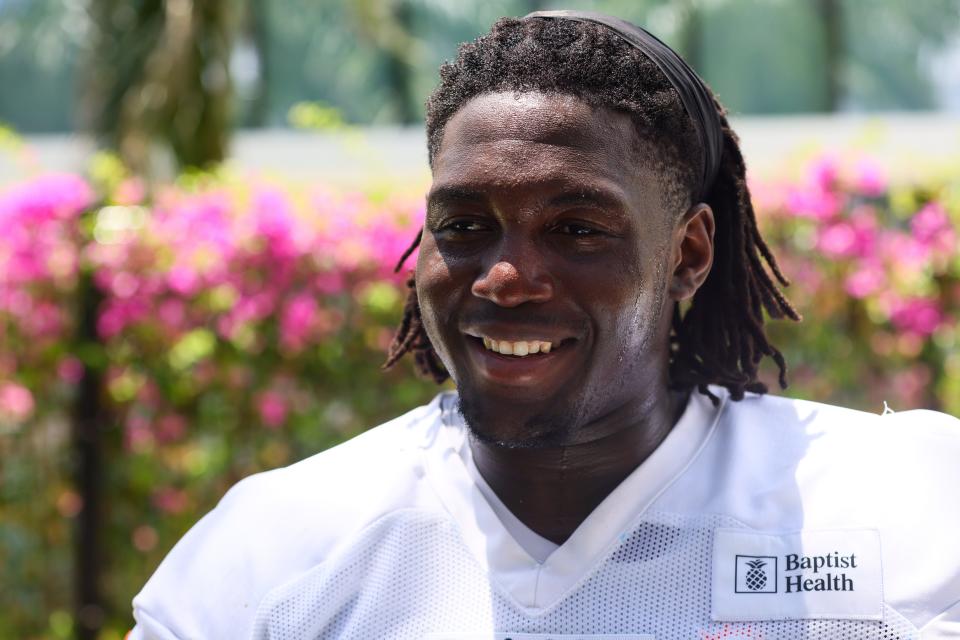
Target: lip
x,y
536,373
513,333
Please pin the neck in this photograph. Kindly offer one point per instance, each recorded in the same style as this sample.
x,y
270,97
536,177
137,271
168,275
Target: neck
x,y
553,490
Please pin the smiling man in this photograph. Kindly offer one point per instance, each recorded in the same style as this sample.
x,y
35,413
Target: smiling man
x,y
591,277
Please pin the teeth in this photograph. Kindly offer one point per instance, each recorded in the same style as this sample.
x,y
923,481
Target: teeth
x,y
521,348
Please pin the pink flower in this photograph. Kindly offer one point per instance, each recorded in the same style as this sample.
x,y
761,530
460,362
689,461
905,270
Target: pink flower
x,y
16,402
911,384
931,227
117,315
48,197
272,408
837,240
124,284
823,172
171,500
329,282
171,427
815,203
904,251
297,322
171,313
130,192
869,178
45,320
866,280
70,370
183,280
276,224
854,238
920,316
137,436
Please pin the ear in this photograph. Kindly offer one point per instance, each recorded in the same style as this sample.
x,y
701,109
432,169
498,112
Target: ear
x,y
692,254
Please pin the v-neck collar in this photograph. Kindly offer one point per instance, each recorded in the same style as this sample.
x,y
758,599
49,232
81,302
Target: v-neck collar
x,y
536,546
534,586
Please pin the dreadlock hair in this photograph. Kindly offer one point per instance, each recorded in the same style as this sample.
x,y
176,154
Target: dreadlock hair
x,y
720,338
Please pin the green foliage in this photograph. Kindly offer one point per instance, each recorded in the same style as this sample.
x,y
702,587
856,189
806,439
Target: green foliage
x,y
314,115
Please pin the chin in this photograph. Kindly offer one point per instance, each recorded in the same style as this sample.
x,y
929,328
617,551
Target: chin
x,y
493,423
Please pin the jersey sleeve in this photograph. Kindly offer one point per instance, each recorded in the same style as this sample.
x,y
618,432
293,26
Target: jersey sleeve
x,y
272,528
206,586
930,509
945,626
147,628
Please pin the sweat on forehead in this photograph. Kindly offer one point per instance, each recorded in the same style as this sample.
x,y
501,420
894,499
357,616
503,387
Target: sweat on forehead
x,y
550,139
526,116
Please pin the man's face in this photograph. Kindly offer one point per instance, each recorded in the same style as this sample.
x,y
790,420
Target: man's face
x,y
543,227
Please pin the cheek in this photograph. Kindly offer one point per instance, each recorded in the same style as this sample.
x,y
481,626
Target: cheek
x,y
435,295
619,292
644,324
629,305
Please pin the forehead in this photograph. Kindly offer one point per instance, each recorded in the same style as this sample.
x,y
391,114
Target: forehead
x,y
551,119
506,140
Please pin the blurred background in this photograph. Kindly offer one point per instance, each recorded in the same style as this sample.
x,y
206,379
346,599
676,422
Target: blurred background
x,y
202,203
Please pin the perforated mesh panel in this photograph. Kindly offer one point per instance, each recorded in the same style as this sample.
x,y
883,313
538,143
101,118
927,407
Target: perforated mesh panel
x,y
410,574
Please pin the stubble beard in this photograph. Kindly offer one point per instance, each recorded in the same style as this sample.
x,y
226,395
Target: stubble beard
x,y
540,431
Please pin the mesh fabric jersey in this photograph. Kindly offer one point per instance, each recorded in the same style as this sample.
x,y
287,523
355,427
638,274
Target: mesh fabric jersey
x,y
765,518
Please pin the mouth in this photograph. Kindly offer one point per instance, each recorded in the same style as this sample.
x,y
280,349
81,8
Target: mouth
x,y
532,362
520,349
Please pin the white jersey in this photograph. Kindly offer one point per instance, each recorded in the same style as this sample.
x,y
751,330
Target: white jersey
x,y
764,518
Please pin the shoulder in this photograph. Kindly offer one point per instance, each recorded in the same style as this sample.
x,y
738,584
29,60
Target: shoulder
x,y
274,526
835,458
782,465
815,433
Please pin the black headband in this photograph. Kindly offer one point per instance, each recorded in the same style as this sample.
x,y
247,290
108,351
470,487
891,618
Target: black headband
x,y
696,98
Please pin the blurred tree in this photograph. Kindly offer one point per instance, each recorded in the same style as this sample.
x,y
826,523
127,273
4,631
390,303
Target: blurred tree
x,y
39,41
690,42
389,26
833,48
258,34
160,77
376,61
885,39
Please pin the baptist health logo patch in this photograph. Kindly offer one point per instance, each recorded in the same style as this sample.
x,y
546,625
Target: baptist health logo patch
x,y
833,574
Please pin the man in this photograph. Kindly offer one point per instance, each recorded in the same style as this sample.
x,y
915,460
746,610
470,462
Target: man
x,y
591,276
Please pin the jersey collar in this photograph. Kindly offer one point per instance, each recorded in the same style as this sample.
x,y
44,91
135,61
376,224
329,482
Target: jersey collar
x,y
537,586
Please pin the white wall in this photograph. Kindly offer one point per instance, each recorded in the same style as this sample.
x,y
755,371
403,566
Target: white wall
x,y
908,144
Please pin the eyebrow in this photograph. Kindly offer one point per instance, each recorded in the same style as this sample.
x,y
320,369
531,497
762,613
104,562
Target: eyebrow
x,y
454,193
609,202
460,193
596,197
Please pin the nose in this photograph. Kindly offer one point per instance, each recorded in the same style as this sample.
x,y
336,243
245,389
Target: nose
x,y
512,281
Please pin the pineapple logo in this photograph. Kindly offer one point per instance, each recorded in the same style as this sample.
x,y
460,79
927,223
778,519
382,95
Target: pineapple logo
x,y
756,578
756,574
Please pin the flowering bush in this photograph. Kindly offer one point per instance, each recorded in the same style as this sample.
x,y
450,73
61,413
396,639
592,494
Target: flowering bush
x,y
246,291
877,273
241,322
39,255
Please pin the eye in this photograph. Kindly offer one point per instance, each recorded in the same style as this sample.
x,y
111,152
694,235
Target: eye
x,y
464,226
461,229
577,229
